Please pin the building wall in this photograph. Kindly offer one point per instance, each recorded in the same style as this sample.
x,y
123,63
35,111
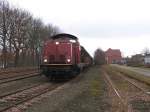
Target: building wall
x,y
113,56
147,60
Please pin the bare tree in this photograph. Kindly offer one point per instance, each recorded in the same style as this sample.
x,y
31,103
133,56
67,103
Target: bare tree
x,y
50,30
21,36
99,57
146,51
4,9
35,39
19,30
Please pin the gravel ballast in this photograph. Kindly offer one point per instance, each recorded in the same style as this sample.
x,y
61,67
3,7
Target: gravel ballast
x,y
86,93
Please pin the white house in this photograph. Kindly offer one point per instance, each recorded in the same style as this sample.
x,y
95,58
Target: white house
x,y
147,59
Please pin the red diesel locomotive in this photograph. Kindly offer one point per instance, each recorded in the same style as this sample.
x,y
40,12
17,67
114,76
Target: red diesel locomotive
x,y
62,56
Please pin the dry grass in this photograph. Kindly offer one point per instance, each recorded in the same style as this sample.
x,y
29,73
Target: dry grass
x,y
139,103
118,80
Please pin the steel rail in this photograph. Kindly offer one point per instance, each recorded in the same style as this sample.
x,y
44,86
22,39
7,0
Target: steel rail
x,y
18,91
19,78
18,74
47,89
17,70
135,84
117,92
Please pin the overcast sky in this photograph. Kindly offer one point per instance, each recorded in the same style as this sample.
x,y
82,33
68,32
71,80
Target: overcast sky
x,y
117,24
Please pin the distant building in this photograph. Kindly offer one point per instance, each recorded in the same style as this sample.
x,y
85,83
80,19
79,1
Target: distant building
x,y
136,60
113,56
123,61
147,59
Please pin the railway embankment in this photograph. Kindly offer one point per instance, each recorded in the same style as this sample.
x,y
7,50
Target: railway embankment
x,y
133,93
140,70
98,89
86,93
136,73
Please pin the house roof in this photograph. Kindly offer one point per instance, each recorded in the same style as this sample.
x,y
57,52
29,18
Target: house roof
x,y
113,52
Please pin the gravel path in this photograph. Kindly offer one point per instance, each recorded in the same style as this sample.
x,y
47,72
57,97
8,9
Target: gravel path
x,y
88,93
135,69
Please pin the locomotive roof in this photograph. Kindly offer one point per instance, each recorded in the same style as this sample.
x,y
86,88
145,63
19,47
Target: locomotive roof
x,y
64,35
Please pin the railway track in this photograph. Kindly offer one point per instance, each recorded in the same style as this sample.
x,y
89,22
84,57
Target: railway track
x,y
5,76
15,78
11,74
20,90
7,102
143,90
18,99
127,89
16,70
123,102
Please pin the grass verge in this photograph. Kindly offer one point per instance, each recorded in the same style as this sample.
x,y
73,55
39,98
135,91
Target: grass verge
x,y
131,74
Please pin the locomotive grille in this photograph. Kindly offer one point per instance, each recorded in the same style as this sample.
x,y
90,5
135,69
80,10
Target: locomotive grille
x,y
51,59
62,58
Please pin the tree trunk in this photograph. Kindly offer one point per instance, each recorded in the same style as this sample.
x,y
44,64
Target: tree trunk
x,y
4,39
16,57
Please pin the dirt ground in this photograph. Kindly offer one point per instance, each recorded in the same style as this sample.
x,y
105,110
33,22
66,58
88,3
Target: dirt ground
x,y
87,93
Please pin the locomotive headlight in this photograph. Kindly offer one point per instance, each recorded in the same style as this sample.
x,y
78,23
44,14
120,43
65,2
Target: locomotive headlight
x,y
57,43
68,60
73,41
45,60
